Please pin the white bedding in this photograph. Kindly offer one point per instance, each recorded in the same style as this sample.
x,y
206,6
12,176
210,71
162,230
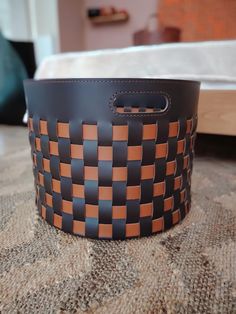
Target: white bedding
x,y
212,62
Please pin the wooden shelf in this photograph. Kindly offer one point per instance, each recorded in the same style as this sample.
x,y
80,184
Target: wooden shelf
x,y
118,17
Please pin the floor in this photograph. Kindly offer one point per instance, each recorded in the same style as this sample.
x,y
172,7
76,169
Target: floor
x,y
188,269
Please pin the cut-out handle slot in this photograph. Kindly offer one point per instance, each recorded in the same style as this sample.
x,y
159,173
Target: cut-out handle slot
x,y
140,103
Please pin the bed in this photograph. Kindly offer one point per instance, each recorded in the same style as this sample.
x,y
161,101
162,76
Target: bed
x,y
212,62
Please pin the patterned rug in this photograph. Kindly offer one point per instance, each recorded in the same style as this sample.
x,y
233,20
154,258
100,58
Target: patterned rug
x,y
189,269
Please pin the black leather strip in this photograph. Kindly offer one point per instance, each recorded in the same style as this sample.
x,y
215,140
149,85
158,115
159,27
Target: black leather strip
x,y
119,154
160,170
64,150
90,153
104,133
91,192
169,186
149,150
158,207
167,220
52,129
48,182
67,222
119,193
105,212
172,148
118,229
146,191
105,173
91,227
77,171
134,172
135,133
79,209
145,226
57,202
133,211
45,146
49,215
76,131
36,126
55,167
66,188
39,161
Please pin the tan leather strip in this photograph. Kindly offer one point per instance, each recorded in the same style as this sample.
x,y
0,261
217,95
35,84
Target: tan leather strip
x,y
132,230
46,165
56,186
48,199
120,132
157,225
158,189
147,172
119,173
78,190
180,146
65,170
161,150
63,130
57,221
173,129
43,125
175,216
119,212
30,124
177,183
79,227
135,153
189,126
135,110
91,211
105,230
133,192
146,210
105,193
105,153
53,148
90,173
149,132
76,151
170,167
38,144
41,179
182,196
67,207
186,161
43,212
168,203
90,132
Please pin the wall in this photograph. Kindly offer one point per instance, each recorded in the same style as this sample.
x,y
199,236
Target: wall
x,y
14,19
31,20
117,35
71,24
200,19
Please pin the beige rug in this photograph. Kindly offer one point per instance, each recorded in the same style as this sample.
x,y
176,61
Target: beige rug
x,y
189,269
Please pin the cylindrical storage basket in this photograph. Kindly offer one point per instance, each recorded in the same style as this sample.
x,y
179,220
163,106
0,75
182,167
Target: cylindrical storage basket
x,y
112,158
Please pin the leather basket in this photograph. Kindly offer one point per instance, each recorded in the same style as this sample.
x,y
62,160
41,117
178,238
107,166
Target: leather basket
x,y
112,158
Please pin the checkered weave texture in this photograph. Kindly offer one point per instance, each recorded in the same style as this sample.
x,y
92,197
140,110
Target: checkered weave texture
x,y
112,181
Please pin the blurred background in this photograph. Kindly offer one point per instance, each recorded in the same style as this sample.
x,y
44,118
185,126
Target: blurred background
x,y
33,30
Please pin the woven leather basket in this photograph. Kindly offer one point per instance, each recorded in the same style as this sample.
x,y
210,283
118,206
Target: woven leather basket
x,y
112,158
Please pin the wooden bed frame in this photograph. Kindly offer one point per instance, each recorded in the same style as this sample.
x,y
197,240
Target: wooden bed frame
x,y
217,112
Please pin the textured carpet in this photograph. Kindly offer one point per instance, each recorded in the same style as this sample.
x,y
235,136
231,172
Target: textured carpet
x,y
189,269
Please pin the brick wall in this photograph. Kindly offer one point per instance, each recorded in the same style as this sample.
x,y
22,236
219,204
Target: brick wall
x,y
200,19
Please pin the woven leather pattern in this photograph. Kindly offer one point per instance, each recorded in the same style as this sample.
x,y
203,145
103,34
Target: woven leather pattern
x,y
112,181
